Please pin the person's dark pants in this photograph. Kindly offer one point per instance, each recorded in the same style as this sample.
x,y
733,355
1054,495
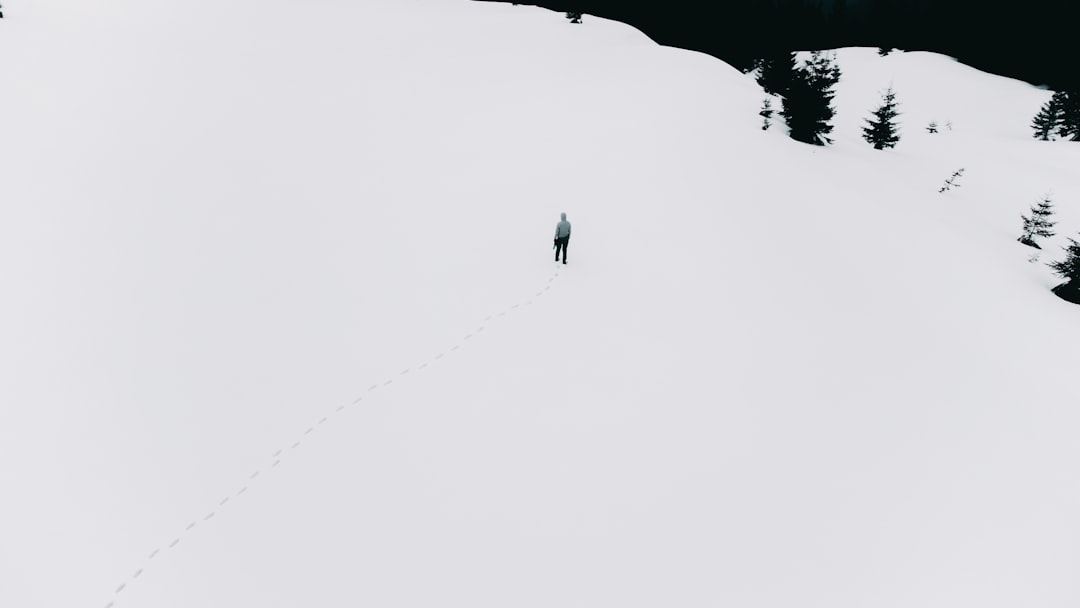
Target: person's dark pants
x,y
561,245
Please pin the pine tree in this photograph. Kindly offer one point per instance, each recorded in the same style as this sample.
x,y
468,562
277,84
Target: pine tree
x,y
824,66
1069,268
1048,120
1038,224
880,131
574,17
1069,120
808,105
776,72
766,114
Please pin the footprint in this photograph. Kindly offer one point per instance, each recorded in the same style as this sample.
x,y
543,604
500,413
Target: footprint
x,y
423,365
275,463
341,407
276,454
223,501
174,543
296,445
254,475
404,372
308,432
209,516
189,527
440,355
323,421
388,382
455,347
121,587
372,387
137,573
242,490
154,553
468,336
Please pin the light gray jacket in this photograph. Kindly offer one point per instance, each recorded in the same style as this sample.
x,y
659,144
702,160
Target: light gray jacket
x,y
562,229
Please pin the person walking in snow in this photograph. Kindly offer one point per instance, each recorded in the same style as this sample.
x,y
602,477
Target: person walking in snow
x,y
562,238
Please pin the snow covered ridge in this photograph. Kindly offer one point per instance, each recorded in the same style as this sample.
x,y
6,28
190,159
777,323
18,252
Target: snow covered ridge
x,y
773,375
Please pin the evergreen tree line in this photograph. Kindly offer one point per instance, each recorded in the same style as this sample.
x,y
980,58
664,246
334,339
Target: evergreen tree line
x,y
806,94
1018,39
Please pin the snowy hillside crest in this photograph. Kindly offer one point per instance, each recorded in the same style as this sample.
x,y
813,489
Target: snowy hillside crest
x,y
283,327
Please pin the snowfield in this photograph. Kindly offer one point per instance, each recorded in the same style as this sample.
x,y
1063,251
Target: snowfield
x,y
280,323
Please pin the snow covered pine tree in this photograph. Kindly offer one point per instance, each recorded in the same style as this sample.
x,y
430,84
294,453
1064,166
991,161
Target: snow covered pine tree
x,y
1038,225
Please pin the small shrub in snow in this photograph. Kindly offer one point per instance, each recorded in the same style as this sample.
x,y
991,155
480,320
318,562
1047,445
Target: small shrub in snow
x,y
574,17
932,127
1038,224
948,125
952,181
884,50
880,131
766,114
1069,269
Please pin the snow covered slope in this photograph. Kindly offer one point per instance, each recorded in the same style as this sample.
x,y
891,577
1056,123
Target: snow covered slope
x,y
281,325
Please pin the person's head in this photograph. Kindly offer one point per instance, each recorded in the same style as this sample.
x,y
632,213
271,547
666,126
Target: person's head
x,y
564,215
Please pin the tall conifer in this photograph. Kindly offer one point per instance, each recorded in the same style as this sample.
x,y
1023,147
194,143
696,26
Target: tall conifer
x,y
1069,121
776,72
808,107
1048,120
